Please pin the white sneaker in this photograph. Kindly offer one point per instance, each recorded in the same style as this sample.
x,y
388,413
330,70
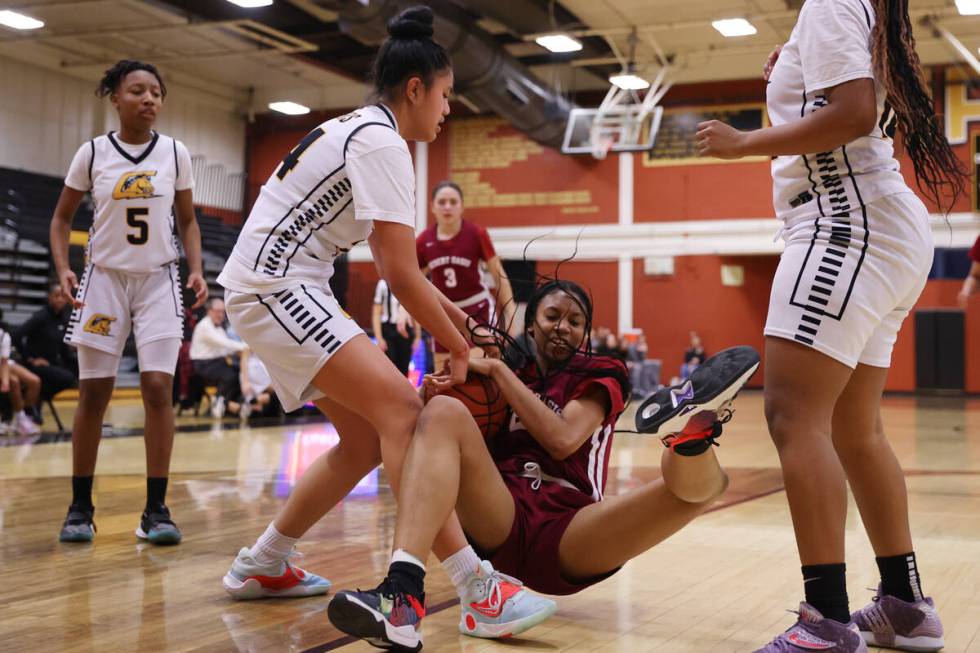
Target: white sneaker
x,y
218,408
25,425
496,605
249,580
245,410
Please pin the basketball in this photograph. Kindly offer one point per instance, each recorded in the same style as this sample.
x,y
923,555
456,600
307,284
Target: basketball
x,y
483,399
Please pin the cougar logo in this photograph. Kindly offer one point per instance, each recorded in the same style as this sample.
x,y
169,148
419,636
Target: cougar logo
x,y
135,186
99,324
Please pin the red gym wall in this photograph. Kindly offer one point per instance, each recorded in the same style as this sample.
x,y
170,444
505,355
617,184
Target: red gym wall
x,y
511,181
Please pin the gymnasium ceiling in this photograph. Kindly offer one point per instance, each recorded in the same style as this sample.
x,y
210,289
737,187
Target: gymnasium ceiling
x,y
295,49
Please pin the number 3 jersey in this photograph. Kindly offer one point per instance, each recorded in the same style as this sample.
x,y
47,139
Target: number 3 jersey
x,y
322,200
132,190
454,263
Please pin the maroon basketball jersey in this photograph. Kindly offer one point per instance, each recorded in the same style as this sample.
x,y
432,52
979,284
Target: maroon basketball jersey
x,y
586,468
454,264
975,251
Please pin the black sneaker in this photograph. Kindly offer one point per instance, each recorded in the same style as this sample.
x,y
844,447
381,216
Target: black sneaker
x,y
699,405
385,617
157,527
78,526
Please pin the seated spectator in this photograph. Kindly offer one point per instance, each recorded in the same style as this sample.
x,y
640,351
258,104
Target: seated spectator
x,y
213,353
12,378
693,357
41,343
610,347
257,395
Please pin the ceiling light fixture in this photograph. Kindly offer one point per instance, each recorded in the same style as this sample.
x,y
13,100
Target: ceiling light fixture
x,y
559,43
629,82
251,4
19,21
734,27
289,108
968,7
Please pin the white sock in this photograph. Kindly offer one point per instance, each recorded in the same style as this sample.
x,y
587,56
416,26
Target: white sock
x,y
21,413
460,566
272,546
401,555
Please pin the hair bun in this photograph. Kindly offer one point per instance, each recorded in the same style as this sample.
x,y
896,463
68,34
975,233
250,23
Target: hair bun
x,y
413,24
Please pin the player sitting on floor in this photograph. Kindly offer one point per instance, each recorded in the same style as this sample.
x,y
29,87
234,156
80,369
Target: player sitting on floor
x,y
531,499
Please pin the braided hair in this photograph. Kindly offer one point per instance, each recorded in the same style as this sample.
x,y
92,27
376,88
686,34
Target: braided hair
x,y
938,171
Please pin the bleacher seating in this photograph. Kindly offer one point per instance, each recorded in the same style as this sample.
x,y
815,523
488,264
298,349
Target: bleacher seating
x,y
27,202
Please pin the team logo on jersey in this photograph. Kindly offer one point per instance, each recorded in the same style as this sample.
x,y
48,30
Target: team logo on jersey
x,y
99,324
135,186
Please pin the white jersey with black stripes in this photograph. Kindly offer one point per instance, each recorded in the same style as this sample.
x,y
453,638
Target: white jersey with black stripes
x,y
133,189
830,45
323,199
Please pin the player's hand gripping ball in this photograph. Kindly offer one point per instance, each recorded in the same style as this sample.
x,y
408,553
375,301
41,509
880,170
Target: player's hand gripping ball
x,y
482,398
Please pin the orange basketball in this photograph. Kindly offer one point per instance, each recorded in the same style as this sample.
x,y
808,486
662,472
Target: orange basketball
x,y
483,399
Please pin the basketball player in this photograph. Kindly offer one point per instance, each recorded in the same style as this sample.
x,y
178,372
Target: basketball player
x,y
858,250
450,253
139,179
348,180
531,497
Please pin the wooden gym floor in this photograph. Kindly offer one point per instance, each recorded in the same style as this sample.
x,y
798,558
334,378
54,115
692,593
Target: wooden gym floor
x,y
720,585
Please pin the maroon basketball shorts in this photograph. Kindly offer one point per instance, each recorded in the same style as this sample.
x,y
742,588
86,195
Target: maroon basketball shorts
x,y
530,552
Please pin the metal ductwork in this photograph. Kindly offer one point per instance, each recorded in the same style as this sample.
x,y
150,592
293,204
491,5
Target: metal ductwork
x,y
486,75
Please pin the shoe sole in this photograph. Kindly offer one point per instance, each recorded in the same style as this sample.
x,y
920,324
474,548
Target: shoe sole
x,y
355,618
251,589
913,644
499,631
165,539
738,364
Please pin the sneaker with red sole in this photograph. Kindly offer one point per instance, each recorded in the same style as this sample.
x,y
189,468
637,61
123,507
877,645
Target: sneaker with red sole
x,y
247,579
696,408
496,605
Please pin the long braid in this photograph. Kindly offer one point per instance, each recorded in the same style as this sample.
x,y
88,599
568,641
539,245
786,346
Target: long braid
x,y
938,171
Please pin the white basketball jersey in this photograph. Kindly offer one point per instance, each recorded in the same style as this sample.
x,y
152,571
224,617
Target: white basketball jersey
x,y
322,200
830,45
133,190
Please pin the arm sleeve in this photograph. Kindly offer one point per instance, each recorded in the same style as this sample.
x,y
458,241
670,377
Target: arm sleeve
x,y
185,168
487,252
835,42
382,176
79,174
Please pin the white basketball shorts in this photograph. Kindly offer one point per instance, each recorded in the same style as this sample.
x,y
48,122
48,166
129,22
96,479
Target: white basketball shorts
x,y
114,302
294,331
845,282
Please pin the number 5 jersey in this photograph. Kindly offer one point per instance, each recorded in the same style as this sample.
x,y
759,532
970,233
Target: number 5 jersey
x,y
133,190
